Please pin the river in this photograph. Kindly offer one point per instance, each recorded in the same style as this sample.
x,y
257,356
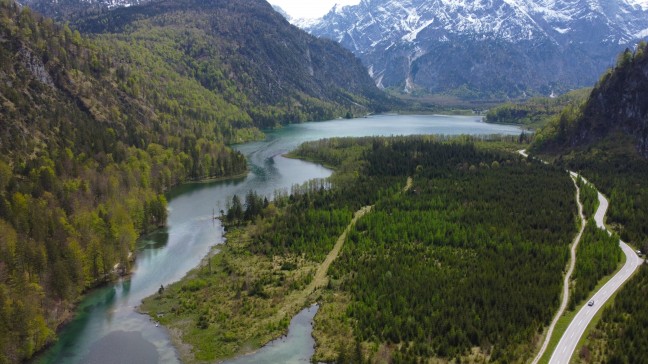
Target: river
x,y
107,327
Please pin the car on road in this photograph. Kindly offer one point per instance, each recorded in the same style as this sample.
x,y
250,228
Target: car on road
x,y
590,303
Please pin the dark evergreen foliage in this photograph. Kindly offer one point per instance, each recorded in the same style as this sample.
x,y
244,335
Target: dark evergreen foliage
x,y
606,140
537,111
623,327
598,255
470,256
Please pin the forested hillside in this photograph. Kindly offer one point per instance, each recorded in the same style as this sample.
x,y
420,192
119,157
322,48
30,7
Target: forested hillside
x,y
83,165
464,263
616,108
622,334
605,139
535,112
93,131
241,50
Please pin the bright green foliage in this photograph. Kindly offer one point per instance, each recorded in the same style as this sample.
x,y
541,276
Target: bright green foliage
x,y
620,174
616,107
470,256
434,269
598,255
535,112
83,169
606,142
560,128
238,62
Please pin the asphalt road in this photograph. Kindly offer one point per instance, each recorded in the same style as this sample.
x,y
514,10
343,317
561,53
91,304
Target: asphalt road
x,y
567,344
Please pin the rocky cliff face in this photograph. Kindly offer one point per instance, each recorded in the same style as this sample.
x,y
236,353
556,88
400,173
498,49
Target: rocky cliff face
x,y
619,103
486,48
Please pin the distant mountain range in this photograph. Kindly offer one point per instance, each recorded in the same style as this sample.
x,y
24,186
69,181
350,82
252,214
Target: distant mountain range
x,y
486,48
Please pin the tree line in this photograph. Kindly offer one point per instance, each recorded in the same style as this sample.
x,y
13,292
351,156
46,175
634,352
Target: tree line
x,y
468,257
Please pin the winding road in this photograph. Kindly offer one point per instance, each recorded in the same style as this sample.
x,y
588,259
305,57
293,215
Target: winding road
x,y
570,338
568,342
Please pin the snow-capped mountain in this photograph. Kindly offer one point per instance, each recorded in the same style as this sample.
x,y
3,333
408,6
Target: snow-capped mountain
x,y
495,48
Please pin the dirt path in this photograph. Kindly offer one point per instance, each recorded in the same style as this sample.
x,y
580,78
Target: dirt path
x,y
409,184
570,269
320,278
567,278
569,341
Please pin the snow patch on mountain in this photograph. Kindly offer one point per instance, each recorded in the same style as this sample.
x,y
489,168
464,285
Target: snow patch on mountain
x,y
414,33
643,33
401,40
643,4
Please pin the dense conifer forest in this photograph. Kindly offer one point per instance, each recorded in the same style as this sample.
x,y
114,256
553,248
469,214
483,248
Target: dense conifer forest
x,y
622,334
464,262
433,269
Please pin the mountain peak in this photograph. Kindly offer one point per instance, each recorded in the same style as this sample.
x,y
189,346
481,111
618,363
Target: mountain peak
x,y
454,46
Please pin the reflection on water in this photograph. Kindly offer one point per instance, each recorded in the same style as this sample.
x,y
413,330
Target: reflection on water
x,y
155,240
107,315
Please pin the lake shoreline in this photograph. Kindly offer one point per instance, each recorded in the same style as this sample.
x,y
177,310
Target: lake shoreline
x,y
191,229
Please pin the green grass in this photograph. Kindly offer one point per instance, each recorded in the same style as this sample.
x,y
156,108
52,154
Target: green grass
x,y
231,304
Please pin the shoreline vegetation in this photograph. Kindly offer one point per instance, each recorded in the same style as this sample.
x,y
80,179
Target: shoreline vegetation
x,y
245,295
120,270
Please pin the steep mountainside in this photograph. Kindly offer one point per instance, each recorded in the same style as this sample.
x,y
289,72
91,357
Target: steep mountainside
x,y
486,48
244,51
617,107
84,163
94,131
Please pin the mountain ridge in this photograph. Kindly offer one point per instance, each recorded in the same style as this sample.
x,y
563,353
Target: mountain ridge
x,y
257,51
445,46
